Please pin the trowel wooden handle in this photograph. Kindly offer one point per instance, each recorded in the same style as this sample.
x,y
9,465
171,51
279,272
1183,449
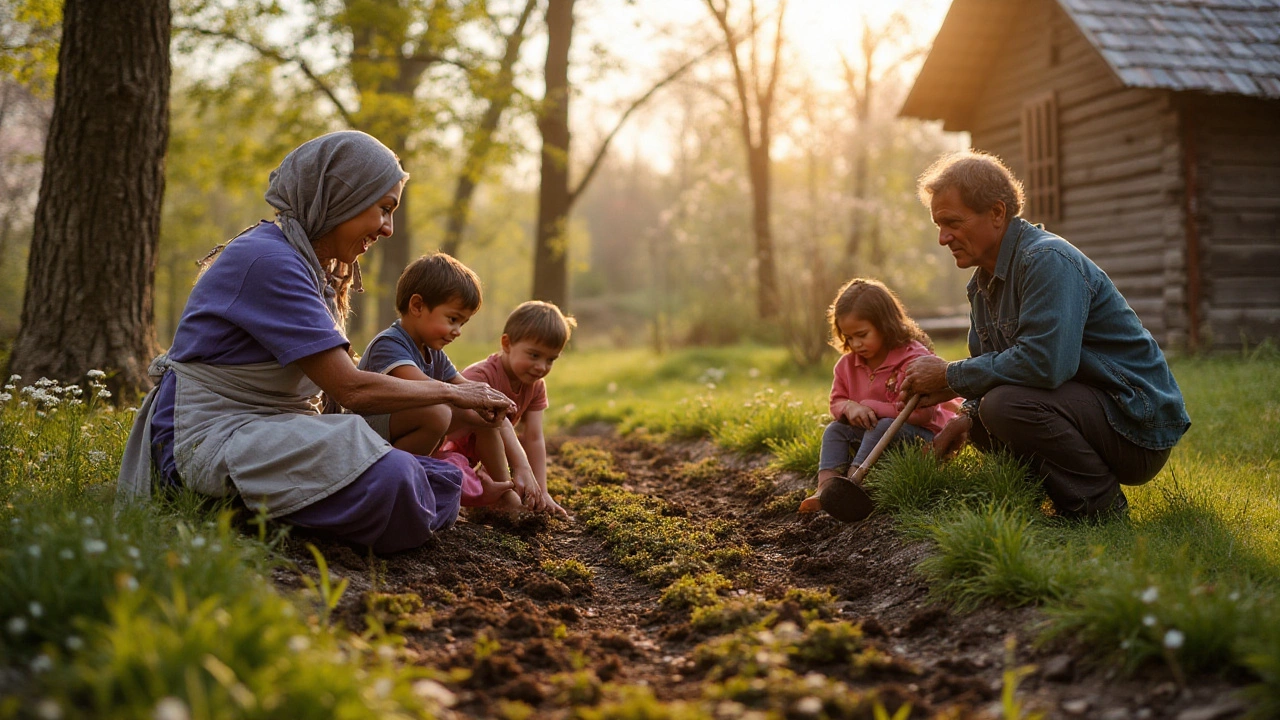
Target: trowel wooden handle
x,y
878,450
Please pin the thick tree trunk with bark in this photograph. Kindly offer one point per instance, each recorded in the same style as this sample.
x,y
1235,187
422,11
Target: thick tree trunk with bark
x,y
551,251
89,295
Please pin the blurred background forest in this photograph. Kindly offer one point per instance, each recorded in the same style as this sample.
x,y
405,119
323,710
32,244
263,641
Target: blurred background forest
x,y
661,240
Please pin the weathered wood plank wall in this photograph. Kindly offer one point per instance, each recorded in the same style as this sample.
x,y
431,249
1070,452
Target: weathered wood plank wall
x,y
1237,153
1121,171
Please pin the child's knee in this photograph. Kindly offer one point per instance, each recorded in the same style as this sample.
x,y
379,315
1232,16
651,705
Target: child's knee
x,y
428,419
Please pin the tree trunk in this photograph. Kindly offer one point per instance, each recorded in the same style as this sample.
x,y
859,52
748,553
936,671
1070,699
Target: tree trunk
x,y
766,270
551,251
481,145
91,273
395,254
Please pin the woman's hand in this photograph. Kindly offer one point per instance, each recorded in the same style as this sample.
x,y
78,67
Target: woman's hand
x,y
951,438
491,405
860,415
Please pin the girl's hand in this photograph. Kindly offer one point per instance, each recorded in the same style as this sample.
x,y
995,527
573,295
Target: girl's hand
x,y
860,415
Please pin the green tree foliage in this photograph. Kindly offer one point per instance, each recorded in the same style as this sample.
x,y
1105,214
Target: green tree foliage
x,y
29,33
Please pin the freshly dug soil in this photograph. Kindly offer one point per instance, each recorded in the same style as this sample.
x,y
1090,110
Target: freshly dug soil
x,y
489,607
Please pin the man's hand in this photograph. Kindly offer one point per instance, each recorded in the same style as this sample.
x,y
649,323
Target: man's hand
x,y
489,404
952,438
927,377
860,415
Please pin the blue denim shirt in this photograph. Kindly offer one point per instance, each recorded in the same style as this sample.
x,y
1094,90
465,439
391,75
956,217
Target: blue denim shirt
x,y
1048,315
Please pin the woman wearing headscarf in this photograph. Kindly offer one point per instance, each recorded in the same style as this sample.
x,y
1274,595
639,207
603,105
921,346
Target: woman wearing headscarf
x,y
237,406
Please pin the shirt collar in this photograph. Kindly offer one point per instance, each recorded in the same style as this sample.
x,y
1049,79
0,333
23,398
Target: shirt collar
x,y
1008,246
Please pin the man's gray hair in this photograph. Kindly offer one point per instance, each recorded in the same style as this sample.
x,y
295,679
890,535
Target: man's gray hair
x,y
982,179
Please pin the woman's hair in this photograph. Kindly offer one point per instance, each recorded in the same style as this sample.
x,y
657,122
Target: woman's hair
x,y
873,301
541,322
438,278
982,179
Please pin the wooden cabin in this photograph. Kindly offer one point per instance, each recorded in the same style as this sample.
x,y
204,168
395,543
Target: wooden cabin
x,y
1146,133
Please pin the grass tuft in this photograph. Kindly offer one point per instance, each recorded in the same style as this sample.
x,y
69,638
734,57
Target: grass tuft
x,y
993,553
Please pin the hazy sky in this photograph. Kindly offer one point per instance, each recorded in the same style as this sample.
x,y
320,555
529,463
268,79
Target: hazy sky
x,y
817,33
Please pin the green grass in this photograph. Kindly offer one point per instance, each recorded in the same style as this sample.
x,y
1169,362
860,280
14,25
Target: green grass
x,y
165,610
1208,521
117,614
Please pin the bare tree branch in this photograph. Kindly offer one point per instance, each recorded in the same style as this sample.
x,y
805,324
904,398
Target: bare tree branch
x,y
271,53
635,105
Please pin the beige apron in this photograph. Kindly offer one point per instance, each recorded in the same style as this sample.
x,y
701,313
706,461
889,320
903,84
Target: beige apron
x,y
252,429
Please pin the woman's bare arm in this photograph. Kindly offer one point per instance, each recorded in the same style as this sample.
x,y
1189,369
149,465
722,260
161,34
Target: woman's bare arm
x,y
367,392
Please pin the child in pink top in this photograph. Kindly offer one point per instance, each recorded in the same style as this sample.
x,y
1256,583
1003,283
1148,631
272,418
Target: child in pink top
x,y
532,339
877,339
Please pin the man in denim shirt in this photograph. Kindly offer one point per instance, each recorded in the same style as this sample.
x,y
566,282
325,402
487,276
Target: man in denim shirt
x,y
1061,370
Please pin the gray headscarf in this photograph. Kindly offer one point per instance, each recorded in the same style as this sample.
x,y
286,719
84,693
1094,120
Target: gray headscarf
x,y
325,182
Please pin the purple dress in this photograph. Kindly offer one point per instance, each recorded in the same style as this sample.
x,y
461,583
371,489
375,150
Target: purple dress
x,y
258,303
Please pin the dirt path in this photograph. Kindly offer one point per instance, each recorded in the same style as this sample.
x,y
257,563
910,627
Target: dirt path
x,y
511,641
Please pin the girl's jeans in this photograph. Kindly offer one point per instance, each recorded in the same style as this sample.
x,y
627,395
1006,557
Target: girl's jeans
x,y
842,441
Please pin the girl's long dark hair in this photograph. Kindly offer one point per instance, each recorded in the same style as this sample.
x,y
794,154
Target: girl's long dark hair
x,y
874,302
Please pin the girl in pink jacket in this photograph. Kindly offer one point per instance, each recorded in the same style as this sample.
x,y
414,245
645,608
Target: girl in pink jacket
x,y
876,338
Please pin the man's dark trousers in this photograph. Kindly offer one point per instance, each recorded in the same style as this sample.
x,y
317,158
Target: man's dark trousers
x,y
1065,437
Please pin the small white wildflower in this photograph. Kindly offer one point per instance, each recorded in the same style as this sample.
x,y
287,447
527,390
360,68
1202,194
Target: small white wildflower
x,y
1234,596
1150,595
36,609
386,653
5,397
48,709
130,583
23,405
74,642
88,521
434,691
1174,639
171,708
14,378
42,414
17,625
41,663
382,687
33,550
808,706
97,457
216,547
67,554
134,553
299,643
75,391
104,393
95,374
198,541
94,547
1124,644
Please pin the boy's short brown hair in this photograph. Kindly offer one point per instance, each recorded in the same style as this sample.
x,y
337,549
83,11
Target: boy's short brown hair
x,y
541,322
438,278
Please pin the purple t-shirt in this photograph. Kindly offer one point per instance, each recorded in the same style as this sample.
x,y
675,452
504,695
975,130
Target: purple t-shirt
x,y
393,347
256,303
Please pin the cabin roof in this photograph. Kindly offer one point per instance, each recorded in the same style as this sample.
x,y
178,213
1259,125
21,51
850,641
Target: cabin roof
x,y
1209,46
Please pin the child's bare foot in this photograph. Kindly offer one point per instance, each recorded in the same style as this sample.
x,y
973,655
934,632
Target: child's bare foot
x,y
491,491
509,503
